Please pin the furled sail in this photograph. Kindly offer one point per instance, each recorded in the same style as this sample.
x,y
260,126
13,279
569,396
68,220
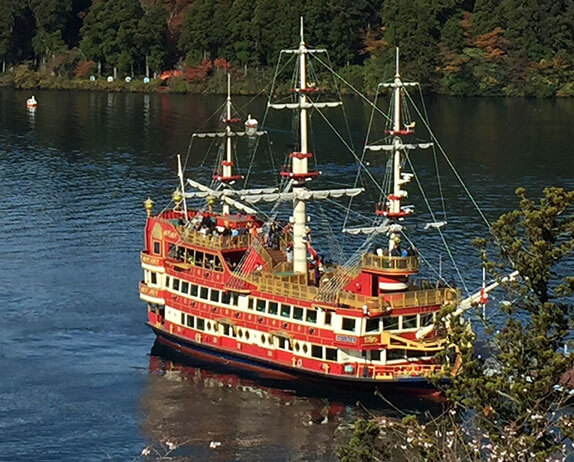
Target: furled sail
x,y
392,147
307,105
303,194
224,134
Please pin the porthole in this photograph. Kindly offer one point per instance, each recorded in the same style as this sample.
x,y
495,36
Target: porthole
x,y
208,325
246,335
239,333
305,349
297,346
263,339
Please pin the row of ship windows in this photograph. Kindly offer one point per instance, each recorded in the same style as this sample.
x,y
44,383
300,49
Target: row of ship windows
x,y
271,340
348,324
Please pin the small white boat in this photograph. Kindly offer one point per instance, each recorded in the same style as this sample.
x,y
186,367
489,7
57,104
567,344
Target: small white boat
x,y
31,102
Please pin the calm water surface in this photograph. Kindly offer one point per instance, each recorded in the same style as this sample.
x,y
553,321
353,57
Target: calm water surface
x,y
78,380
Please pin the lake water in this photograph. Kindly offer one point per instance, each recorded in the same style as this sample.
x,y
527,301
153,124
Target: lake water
x,y
79,380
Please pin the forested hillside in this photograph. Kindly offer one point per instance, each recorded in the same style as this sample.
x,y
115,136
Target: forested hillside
x,y
459,47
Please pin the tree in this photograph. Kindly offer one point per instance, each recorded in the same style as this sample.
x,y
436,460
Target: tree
x,y
510,401
152,38
50,16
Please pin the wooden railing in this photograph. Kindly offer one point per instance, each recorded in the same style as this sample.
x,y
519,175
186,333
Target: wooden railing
x,y
214,242
390,264
149,260
407,299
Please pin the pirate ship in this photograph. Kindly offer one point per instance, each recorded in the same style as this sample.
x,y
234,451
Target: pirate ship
x,y
226,284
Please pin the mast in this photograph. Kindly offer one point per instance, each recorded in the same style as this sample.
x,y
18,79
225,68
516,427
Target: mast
x,y
300,168
300,173
226,166
395,199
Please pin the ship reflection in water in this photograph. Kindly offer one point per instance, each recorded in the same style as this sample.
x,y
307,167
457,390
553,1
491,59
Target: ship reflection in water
x,y
194,411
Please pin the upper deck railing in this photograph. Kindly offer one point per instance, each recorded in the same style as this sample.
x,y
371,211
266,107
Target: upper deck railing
x,y
390,264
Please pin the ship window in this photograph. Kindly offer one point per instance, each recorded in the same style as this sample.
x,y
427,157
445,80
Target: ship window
x,y
167,281
185,287
199,258
331,354
305,349
391,323
246,335
317,351
311,315
410,322
261,305
200,324
328,318
372,325
217,264
240,333
348,324
203,293
226,298
426,319
171,250
226,329
156,247
297,346
193,290
214,295
298,313
249,303
182,319
416,354
284,343
153,278
393,355
285,310
263,339
209,326
235,299
273,308
175,284
190,320
375,355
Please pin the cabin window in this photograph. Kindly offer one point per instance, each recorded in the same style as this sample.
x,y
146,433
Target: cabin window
x,y
349,324
193,290
393,355
311,316
261,305
305,348
410,322
317,351
167,281
226,329
176,284
217,264
182,319
235,299
246,335
375,355
328,317
284,343
249,303
185,287
426,319
372,325
263,339
416,354
171,250
210,326
226,298
285,310
156,247
273,308
203,293
200,325
297,346
331,354
190,320
199,258
298,313
214,295
391,323
153,278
